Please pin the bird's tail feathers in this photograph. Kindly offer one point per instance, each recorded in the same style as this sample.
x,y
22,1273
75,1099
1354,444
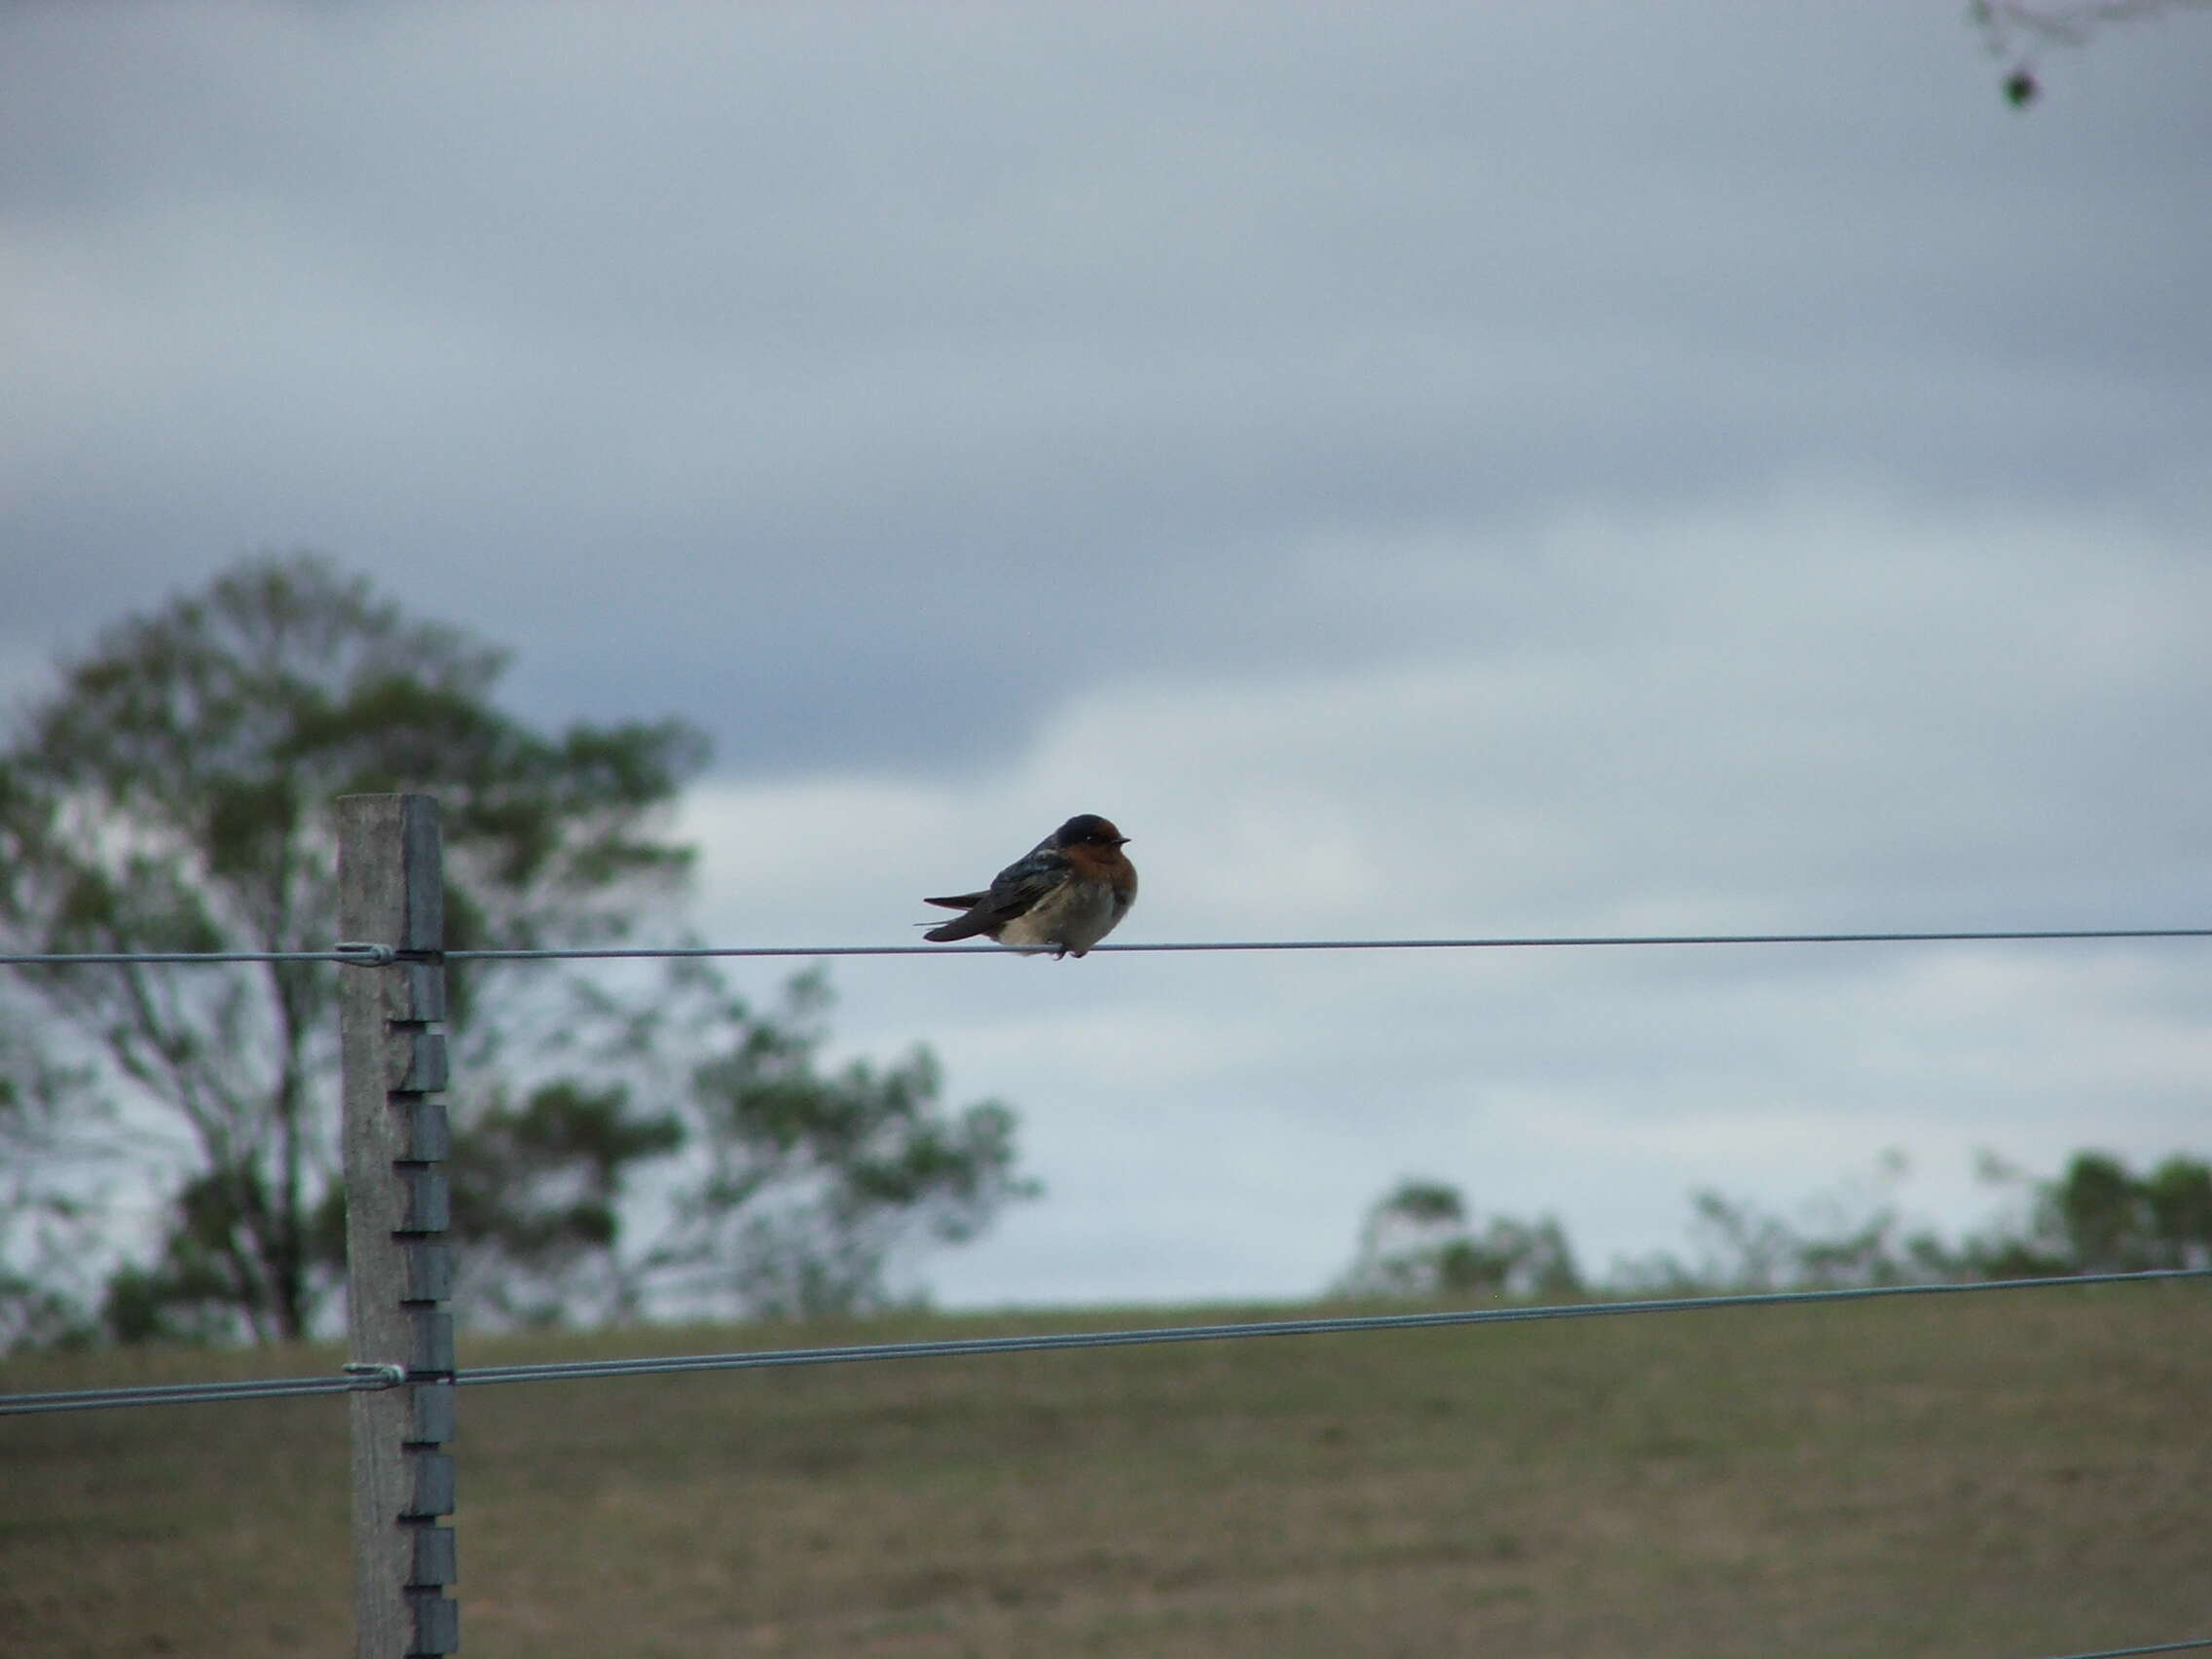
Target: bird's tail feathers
x,y
961,927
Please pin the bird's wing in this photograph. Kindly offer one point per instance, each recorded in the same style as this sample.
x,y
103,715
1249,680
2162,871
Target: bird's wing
x,y
1026,881
962,901
1011,892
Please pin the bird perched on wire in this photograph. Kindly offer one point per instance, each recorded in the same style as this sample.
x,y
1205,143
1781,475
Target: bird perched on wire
x,y
1064,896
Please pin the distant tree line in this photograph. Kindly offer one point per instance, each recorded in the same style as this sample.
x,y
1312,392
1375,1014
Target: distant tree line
x,y
1422,1239
167,1139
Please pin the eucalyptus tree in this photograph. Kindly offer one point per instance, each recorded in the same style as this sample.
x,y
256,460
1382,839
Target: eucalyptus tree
x,y
174,791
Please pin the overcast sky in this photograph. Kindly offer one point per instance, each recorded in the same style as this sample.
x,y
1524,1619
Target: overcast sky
x,y
1421,469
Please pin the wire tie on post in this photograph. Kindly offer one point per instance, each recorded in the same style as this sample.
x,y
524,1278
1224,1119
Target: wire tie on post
x,y
376,1373
357,953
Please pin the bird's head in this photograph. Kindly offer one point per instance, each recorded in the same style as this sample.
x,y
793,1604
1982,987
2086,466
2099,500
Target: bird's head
x,y
1088,829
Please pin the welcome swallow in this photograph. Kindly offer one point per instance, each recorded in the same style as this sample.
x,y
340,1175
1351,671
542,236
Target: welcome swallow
x,y
1064,896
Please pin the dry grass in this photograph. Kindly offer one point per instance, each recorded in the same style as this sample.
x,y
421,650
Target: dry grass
x,y
2008,1475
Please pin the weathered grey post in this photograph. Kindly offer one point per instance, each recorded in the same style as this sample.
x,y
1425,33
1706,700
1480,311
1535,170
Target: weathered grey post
x,y
391,891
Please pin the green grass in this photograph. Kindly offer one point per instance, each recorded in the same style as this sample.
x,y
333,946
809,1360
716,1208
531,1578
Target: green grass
x,y
2013,1474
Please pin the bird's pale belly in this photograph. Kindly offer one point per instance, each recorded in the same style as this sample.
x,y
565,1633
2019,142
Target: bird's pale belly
x,y
1074,917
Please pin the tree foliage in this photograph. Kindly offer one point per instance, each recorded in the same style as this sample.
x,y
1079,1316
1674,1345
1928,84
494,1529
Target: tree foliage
x,y
47,1232
175,793
2099,1217
538,1187
1417,1240
802,1182
2095,1216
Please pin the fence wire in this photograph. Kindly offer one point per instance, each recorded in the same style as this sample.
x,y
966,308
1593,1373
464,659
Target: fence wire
x,y
970,1347
356,955
362,955
355,1381
965,1348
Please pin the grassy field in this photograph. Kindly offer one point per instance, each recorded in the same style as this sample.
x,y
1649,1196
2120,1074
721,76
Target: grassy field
x,y
2011,1474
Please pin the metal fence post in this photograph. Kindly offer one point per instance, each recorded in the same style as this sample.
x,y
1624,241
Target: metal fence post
x,y
391,891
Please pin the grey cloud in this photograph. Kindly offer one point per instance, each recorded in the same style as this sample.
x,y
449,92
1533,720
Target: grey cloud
x,y
819,348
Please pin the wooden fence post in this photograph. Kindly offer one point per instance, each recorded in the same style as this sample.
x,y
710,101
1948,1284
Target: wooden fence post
x,y
391,891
